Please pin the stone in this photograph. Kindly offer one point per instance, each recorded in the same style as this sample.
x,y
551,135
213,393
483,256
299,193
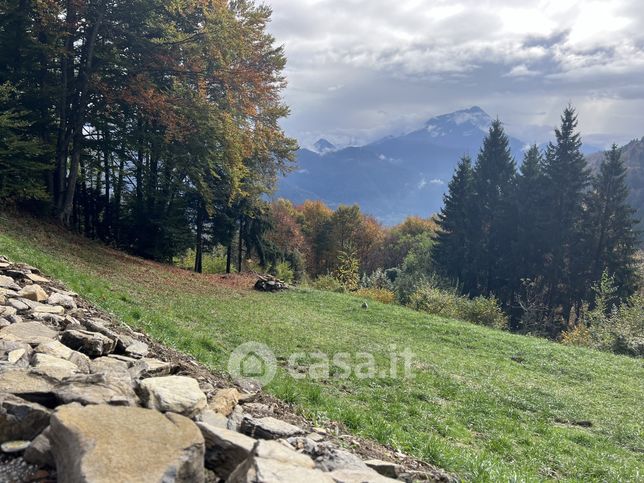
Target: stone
x,y
53,319
27,384
7,311
138,350
89,343
16,352
225,450
15,355
39,451
49,309
330,458
102,444
100,326
211,418
177,394
4,322
36,278
81,360
148,367
108,365
14,319
19,305
21,419
33,333
3,299
63,300
33,292
130,361
7,282
55,349
391,470
14,446
270,464
112,389
359,476
268,428
235,419
225,401
54,367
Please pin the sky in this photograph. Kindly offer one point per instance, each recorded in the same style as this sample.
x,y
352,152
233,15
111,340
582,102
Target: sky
x,y
362,69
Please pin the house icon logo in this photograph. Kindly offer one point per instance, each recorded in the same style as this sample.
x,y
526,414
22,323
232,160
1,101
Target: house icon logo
x,y
253,361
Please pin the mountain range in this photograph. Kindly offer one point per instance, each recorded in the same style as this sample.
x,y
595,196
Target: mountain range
x,y
396,176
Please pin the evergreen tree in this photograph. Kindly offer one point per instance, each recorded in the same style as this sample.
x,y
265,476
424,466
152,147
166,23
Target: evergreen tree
x,y
494,181
611,224
452,251
566,180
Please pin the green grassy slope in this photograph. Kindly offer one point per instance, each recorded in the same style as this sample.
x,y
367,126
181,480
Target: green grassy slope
x,y
485,404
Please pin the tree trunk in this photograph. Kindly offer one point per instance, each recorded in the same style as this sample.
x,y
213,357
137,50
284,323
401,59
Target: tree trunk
x,y
240,246
199,244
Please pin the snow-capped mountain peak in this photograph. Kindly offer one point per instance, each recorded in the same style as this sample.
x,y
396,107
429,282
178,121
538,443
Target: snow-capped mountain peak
x,y
322,146
464,121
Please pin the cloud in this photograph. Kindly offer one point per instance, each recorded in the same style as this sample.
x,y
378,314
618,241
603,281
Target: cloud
x,y
359,69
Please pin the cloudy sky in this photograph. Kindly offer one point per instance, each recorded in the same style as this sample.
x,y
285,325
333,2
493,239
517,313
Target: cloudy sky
x,y
359,69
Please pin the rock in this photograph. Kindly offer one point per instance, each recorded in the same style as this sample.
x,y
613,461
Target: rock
x,y
177,394
15,355
36,278
54,367
20,419
7,282
49,309
63,300
19,305
365,305
359,476
138,350
147,367
106,444
212,418
90,343
27,384
391,470
330,458
130,361
4,322
225,449
268,428
33,292
81,361
39,451
33,333
108,365
268,463
235,419
55,349
53,319
7,311
225,401
14,319
100,326
112,389
14,446
3,299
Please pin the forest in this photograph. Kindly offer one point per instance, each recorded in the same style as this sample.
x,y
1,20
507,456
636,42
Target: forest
x,y
153,126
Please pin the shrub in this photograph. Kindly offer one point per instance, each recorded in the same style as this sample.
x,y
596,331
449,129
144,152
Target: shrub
x,y
378,280
445,303
328,284
483,311
284,272
378,294
347,271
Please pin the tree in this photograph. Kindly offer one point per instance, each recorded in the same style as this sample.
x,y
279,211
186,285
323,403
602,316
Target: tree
x,y
566,180
452,253
611,226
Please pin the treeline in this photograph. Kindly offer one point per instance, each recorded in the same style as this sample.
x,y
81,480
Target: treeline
x,y
149,124
538,239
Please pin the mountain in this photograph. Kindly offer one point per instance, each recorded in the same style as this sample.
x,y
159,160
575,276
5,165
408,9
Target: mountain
x,y
322,146
633,157
393,177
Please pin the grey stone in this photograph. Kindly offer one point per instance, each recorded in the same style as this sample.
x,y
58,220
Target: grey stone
x,y
19,305
268,428
49,309
8,282
391,470
108,365
138,350
89,343
27,384
359,476
20,419
39,451
54,367
212,418
55,349
33,333
225,449
236,418
101,444
63,300
112,389
177,394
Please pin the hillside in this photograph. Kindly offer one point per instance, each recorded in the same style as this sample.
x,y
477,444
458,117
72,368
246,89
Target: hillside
x,y
633,156
485,404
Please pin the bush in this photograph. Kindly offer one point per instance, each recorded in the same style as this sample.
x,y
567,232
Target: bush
x,y
328,284
284,272
378,294
377,280
481,310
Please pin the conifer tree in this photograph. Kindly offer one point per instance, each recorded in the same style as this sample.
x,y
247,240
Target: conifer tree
x,y
566,180
452,251
611,224
494,181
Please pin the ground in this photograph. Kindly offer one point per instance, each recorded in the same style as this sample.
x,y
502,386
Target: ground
x,y
484,404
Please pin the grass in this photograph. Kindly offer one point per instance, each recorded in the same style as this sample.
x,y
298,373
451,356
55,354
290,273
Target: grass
x,y
484,404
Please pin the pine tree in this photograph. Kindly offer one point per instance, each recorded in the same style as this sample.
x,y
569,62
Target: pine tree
x,y
566,180
494,180
611,224
452,251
